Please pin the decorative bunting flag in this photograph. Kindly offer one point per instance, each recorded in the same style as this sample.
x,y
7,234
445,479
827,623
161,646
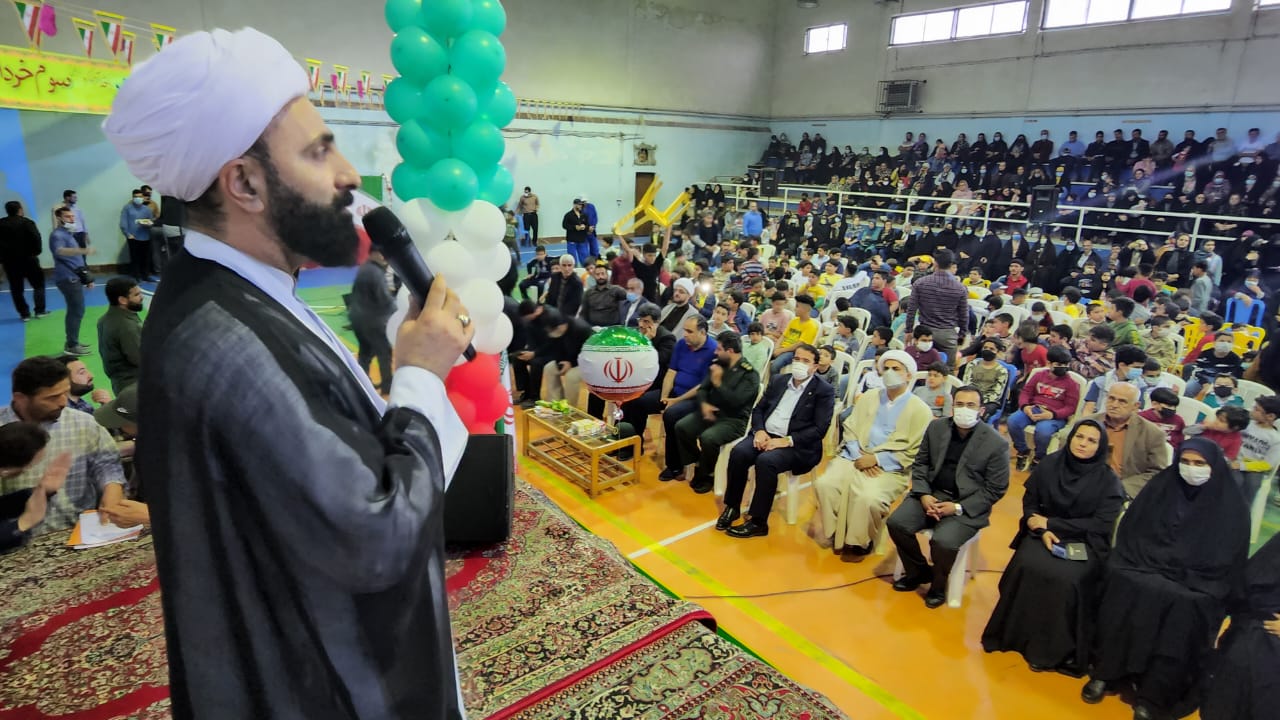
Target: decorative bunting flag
x,y
363,85
340,79
48,20
313,73
162,35
87,30
126,46
112,30
30,14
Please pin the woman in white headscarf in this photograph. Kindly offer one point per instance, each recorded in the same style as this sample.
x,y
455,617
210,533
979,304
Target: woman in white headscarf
x,y
872,469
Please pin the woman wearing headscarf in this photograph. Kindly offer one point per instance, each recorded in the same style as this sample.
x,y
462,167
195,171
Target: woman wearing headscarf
x,y
1047,604
1042,265
1179,553
1244,683
988,253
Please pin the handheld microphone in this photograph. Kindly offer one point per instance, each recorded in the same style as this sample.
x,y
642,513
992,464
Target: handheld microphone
x,y
390,237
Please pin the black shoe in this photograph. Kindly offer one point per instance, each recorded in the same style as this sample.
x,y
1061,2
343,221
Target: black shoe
x,y
727,517
855,553
528,403
907,583
1094,691
934,600
1022,463
670,474
702,487
1039,668
42,313
749,529
1142,712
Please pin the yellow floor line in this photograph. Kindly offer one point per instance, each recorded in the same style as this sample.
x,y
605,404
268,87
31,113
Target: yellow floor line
x,y
811,650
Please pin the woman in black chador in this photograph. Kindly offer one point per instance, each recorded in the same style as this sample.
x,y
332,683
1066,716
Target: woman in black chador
x,y
1245,676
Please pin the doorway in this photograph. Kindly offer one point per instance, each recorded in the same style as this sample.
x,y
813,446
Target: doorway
x,y
643,181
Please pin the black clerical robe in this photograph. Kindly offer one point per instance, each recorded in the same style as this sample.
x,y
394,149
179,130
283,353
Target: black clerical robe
x,y
298,531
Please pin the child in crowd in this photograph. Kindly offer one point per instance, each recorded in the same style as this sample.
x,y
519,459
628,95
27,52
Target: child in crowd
x,y
1163,413
1071,302
880,339
1223,430
1060,336
1221,361
988,375
1159,341
1095,315
755,350
1090,281
844,341
1040,316
826,368
1224,393
1260,445
1033,355
720,321
975,280
1153,374
922,350
935,392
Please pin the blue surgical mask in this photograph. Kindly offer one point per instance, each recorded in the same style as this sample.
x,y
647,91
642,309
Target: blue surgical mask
x,y
137,201
632,297
1135,374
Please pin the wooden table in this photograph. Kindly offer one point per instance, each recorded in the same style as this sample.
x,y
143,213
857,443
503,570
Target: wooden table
x,y
584,460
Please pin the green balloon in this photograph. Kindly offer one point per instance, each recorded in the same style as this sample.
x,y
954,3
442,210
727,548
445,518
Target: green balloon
x,y
450,103
488,15
446,19
419,57
453,184
410,182
497,187
404,101
403,13
421,144
479,145
501,106
477,57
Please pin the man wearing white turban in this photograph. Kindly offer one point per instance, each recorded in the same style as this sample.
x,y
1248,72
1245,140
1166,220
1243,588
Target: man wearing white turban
x,y
297,517
873,468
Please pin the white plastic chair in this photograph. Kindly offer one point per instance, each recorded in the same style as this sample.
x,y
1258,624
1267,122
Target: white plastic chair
x,y
960,572
1258,507
978,292
1020,315
1060,318
1174,382
863,317
1192,411
1249,391
750,310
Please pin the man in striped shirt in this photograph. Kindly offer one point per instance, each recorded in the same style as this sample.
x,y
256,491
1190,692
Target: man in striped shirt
x,y
941,303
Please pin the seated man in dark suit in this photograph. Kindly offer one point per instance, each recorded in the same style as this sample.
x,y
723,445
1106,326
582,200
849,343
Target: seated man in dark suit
x,y
960,473
787,427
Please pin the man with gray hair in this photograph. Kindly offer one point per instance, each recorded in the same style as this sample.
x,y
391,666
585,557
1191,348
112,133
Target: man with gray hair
x,y
565,290
1139,449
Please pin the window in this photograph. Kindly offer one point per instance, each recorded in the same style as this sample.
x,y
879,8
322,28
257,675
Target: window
x,y
827,38
1268,3
960,23
1068,13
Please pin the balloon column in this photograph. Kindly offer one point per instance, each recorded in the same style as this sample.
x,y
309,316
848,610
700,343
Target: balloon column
x,y
451,107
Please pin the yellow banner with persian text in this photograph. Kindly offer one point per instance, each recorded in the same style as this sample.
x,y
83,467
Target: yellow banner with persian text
x,y
31,80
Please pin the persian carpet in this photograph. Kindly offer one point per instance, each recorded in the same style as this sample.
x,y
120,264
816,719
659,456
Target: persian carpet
x,y
552,624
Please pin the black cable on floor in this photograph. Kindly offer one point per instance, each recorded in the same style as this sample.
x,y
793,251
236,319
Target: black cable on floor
x,y
802,591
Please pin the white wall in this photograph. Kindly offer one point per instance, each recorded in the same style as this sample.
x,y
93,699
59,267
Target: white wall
x,y
1211,63
690,55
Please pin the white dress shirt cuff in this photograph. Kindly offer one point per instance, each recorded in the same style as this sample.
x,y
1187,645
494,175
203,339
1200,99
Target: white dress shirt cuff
x,y
423,391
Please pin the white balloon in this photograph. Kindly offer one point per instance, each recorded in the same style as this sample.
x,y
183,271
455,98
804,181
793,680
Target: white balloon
x,y
497,338
481,224
451,260
397,318
483,301
414,217
442,221
492,263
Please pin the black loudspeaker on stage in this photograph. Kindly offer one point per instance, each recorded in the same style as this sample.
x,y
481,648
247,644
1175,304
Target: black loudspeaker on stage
x,y
1044,204
479,502
768,182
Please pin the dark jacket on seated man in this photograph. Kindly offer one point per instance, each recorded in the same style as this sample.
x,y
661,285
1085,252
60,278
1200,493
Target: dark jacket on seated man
x,y
967,474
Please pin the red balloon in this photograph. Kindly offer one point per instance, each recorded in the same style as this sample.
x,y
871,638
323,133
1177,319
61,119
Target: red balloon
x,y
465,409
492,404
474,379
480,428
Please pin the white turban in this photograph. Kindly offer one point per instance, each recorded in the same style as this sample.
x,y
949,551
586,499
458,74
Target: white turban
x,y
199,104
685,284
901,356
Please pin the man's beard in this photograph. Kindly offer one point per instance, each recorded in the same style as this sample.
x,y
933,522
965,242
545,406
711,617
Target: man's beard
x,y
78,390
321,233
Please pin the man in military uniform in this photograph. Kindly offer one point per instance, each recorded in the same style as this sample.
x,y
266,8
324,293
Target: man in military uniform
x,y
726,398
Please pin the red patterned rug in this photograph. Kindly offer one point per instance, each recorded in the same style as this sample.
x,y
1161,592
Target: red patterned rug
x,y
553,624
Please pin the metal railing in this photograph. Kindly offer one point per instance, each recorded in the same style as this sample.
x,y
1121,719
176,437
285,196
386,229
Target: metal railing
x,y
1199,227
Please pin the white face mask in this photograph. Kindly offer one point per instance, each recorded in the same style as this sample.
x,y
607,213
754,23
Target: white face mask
x,y
924,346
1194,475
1223,347
892,379
800,371
1037,317
964,417
68,225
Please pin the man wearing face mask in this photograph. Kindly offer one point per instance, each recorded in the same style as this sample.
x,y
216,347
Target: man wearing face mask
x,y
120,333
1139,449
1222,361
882,436
725,399
1048,399
629,307
961,472
136,221
787,427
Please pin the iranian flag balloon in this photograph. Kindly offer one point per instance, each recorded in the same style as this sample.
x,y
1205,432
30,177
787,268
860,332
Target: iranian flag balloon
x,y
618,364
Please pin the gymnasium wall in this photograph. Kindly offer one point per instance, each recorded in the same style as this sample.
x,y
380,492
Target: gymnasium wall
x,y
1223,62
